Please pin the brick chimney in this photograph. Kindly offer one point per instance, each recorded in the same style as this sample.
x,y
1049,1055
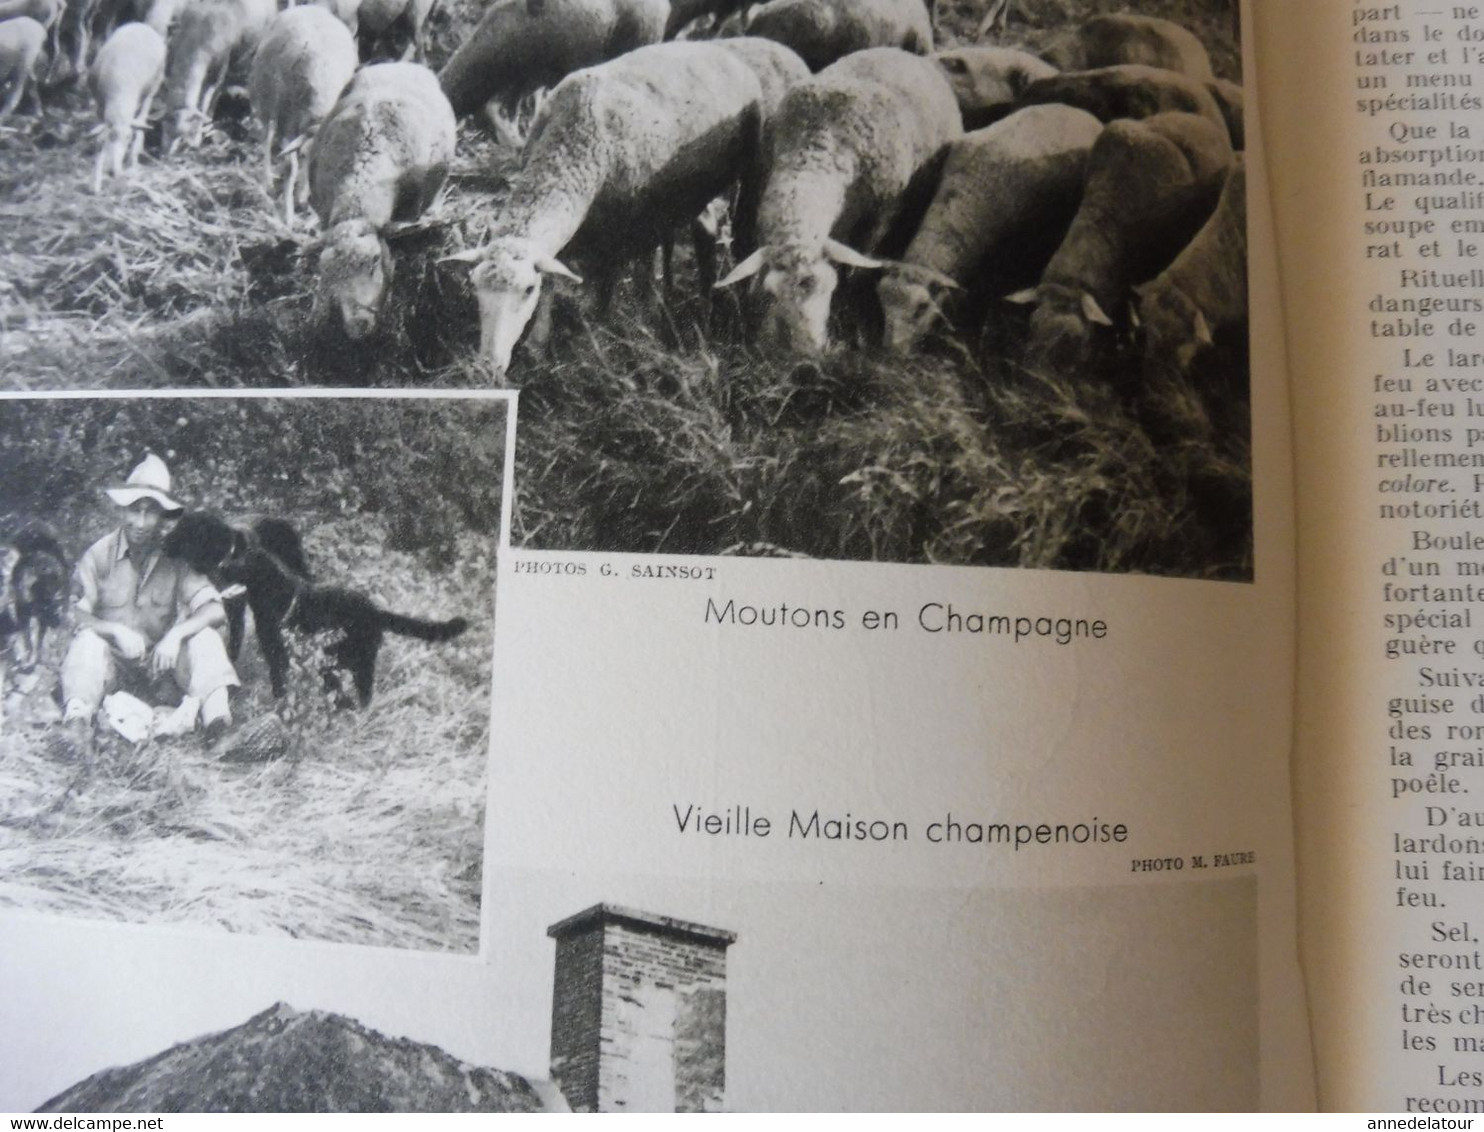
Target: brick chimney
x,y
638,1018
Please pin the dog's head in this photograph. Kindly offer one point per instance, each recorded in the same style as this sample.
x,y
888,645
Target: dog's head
x,y
202,541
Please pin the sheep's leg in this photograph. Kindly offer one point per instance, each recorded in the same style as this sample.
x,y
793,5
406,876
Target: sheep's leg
x,y
667,271
301,190
290,183
140,124
538,332
269,179
14,97
703,233
100,163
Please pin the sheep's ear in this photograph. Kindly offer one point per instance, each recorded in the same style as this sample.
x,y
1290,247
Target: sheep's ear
x,y
467,255
550,265
1092,312
844,254
939,279
407,228
746,269
1203,330
953,64
1025,298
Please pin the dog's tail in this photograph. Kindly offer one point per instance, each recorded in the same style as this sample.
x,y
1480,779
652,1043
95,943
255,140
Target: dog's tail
x,y
422,630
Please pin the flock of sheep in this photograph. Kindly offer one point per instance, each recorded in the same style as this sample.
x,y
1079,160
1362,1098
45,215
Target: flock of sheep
x,y
1100,180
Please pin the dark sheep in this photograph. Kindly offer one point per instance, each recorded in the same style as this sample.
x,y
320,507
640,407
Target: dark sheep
x,y
520,46
1151,184
1128,90
1199,298
823,31
1008,194
1107,41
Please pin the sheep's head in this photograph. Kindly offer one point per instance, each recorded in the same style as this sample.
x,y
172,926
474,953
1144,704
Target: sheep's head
x,y
986,81
507,280
355,270
1062,326
911,298
799,286
1174,328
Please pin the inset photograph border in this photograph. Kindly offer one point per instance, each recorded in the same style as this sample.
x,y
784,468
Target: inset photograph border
x,y
247,659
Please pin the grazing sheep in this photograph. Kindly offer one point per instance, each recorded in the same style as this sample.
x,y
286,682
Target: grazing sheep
x,y
1106,41
988,81
1151,184
522,45
851,149
1230,99
1201,294
381,155
823,31
619,156
378,18
47,13
210,37
22,40
1128,90
1008,194
126,74
301,66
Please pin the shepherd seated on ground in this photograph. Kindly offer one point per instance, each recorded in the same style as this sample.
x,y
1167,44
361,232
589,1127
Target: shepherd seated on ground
x,y
143,618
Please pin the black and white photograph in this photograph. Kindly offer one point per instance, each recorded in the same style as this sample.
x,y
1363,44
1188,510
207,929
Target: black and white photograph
x,y
247,661
876,280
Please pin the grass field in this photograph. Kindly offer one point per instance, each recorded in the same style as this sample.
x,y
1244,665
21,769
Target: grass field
x,y
369,827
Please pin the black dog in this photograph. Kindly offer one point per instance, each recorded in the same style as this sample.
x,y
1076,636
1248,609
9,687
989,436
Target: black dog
x,y
206,543
281,596
33,588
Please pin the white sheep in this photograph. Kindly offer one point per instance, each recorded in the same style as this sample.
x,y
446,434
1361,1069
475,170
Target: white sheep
x,y
522,45
1151,184
1106,41
376,19
126,74
22,40
619,156
1007,197
348,12
380,156
823,31
47,13
851,147
211,36
988,81
302,65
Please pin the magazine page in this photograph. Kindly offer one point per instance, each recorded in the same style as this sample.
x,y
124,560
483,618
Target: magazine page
x,y
457,658
1383,304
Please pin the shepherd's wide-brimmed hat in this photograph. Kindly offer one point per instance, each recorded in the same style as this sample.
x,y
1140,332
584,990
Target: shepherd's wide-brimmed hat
x,y
150,479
